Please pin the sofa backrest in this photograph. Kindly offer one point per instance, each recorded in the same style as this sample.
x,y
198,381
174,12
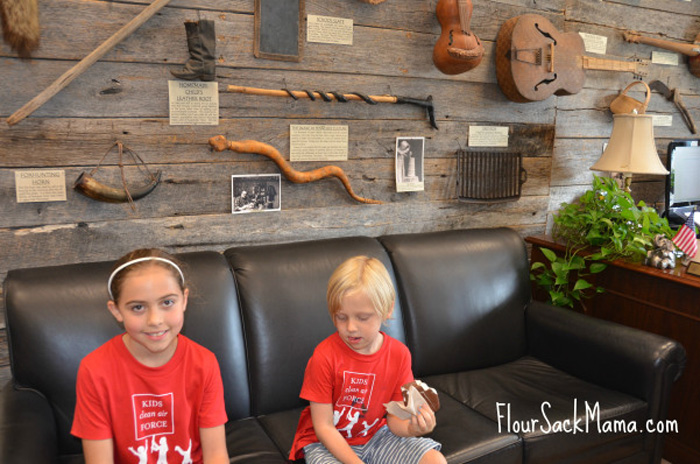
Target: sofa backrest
x,y
462,291
282,290
57,315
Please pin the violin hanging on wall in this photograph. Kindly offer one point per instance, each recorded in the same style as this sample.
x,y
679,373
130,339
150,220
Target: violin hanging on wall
x,y
458,49
690,50
535,61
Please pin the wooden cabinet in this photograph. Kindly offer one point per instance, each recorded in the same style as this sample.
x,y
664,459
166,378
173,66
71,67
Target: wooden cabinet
x,y
666,302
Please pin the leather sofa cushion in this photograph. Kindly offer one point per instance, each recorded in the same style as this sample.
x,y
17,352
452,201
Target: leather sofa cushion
x,y
465,435
213,319
48,343
465,292
282,290
281,426
526,384
248,443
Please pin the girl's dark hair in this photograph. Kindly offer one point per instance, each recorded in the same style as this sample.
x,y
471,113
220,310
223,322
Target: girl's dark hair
x,y
118,279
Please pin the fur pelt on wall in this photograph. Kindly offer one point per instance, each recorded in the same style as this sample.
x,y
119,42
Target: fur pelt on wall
x,y
20,25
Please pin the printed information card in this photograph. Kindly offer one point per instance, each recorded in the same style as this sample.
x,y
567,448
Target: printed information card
x,y
318,143
662,120
670,59
594,43
488,136
330,30
40,185
194,103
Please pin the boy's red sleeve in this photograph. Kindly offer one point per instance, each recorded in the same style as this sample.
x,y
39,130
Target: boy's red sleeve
x,y
318,380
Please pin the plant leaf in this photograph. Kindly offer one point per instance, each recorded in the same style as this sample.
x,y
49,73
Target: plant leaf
x,y
595,268
537,265
549,254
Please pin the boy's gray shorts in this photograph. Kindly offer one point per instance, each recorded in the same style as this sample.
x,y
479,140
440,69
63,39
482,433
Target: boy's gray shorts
x,y
383,448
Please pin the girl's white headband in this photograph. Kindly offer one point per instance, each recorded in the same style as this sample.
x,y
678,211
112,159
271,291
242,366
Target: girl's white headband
x,y
139,260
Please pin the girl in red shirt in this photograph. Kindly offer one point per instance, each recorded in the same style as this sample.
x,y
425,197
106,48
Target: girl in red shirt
x,y
150,395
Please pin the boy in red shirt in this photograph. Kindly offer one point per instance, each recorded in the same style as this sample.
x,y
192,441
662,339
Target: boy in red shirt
x,y
353,373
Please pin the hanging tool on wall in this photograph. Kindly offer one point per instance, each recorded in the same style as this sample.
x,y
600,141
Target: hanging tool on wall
x,y
219,143
68,76
675,97
342,98
91,188
692,51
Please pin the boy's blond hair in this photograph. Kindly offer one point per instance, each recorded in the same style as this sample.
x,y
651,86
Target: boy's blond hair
x,y
366,274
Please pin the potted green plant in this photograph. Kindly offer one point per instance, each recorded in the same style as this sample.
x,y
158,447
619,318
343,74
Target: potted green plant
x,y
604,224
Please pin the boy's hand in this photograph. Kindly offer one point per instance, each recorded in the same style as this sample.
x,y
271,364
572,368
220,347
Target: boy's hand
x,y
422,423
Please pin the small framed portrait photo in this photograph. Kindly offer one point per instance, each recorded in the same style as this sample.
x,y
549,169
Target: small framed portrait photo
x,y
409,164
255,193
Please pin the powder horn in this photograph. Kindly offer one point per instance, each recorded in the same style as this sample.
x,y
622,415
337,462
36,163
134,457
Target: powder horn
x,y
91,188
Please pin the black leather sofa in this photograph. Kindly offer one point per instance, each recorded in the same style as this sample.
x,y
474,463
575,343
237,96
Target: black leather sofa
x,y
498,359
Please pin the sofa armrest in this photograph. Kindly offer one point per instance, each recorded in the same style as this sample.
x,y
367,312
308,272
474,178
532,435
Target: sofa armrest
x,y
27,427
605,353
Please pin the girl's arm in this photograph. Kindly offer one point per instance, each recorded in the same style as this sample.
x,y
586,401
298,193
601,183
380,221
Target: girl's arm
x,y
421,424
98,451
328,435
214,445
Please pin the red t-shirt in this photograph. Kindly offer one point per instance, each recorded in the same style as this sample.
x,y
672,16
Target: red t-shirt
x,y
356,384
153,415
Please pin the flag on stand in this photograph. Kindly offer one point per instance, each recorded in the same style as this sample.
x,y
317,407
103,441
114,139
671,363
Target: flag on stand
x,y
685,237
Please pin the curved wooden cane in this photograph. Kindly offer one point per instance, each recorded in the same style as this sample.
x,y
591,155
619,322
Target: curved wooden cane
x,y
219,143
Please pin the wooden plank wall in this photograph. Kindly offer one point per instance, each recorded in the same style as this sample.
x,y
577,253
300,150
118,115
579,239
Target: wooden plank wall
x,y
124,97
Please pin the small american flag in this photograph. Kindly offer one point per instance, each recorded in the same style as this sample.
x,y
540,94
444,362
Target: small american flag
x,y
685,237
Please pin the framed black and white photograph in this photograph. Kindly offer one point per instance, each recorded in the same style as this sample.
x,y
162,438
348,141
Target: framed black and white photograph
x,y
255,192
409,164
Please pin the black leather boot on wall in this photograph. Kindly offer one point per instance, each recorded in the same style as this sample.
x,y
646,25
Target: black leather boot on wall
x,y
201,42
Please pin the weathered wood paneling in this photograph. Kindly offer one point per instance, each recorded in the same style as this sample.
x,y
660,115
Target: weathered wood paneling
x,y
124,97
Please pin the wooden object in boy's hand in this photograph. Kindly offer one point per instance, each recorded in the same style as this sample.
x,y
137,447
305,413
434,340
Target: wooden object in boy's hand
x,y
535,61
458,49
279,29
691,50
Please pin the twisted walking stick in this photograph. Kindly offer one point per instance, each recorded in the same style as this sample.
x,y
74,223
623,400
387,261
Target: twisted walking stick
x,y
340,97
219,143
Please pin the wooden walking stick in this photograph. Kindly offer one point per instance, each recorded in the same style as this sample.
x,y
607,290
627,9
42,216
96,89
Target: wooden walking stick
x,y
690,50
219,143
340,97
85,63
